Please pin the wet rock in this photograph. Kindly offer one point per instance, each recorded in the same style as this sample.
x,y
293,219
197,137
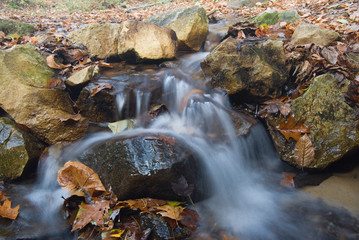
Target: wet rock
x,y
189,23
333,123
25,97
131,40
14,27
144,165
252,69
308,33
83,76
271,17
18,149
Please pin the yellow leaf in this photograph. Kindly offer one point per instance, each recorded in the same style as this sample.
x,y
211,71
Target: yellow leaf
x,y
304,152
119,232
7,212
170,212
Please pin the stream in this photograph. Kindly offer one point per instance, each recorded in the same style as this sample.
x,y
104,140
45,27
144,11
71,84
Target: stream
x,y
246,198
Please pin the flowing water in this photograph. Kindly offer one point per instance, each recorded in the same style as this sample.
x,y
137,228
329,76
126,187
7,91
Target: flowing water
x,y
246,200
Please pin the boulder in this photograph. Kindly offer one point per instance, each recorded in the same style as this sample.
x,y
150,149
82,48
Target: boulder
x,y
271,17
306,33
83,76
334,126
251,69
14,27
25,97
18,149
190,24
131,40
144,165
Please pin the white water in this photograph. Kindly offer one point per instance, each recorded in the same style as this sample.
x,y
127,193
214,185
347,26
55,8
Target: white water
x,y
244,200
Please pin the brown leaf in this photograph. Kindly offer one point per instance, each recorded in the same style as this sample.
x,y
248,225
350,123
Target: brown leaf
x,y
143,204
173,212
51,62
97,212
7,212
99,87
288,180
304,151
54,82
190,219
79,179
2,34
291,130
75,118
285,109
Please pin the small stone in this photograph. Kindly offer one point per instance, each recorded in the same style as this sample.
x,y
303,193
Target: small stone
x,y
308,33
83,76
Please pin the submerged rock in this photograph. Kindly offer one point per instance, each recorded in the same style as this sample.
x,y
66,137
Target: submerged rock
x,y
189,23
144,165
25,97
14,27
251,69
334,126
131,41
18,149
306,33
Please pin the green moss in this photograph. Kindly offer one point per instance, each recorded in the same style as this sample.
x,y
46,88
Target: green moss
x,y
13,27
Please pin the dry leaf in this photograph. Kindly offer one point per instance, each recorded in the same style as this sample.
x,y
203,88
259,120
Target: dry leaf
x,y
79,179
143,204
54,82
75,118
7,212
99,87
53,64
173,212
97,212
304,151
291,130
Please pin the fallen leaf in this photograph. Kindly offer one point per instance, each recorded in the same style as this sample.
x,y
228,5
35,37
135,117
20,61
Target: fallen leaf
x,y
285,109
290,129
74,118
190,218
188,96
99,87
96,213
2,34
170,211
304,151
54,82
288,180
53,64
7,212
143,204
120,126
181,188
79,179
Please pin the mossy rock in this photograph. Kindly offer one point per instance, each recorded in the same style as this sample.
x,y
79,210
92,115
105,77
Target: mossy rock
x,y
13,27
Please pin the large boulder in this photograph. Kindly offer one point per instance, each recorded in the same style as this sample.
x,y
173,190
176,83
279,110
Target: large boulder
x,y
189,23
271,17
15,27
334,126
17,149
145,165
254,69
306,33
25,97
131,40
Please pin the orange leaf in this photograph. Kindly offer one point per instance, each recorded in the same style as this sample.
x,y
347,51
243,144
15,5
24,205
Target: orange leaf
x,y
173,212
143,204
97,212
53,64
304,151
288,180
291,130
7,212
79,179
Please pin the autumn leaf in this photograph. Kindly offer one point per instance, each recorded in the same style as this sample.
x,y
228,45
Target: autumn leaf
x,y
99,87
172,212
79,179
292,130
53,64
7,212
96,213
54,82
188,96
288,180
75,118
143,204
304,151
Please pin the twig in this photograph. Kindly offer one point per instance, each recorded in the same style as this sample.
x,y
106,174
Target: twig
x,y
149,5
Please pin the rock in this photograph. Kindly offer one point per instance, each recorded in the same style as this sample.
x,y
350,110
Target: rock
x,y
333,123
14,27
243,3
25,97
353,61
271,17
131,40
18,149
83,76
189,23
308,33
253,69
144,165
